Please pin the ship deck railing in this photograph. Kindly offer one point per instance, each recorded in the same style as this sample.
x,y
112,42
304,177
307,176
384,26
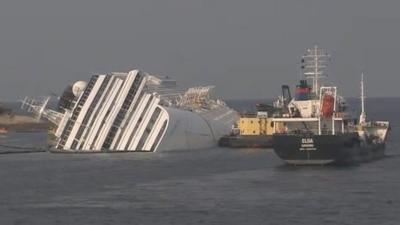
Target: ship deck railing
x,y
248,115
293,119
307,132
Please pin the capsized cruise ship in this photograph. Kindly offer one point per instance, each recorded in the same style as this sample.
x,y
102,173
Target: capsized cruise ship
x,y
134,111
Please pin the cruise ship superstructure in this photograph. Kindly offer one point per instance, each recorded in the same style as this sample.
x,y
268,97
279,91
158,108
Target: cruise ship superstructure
x,y
135,111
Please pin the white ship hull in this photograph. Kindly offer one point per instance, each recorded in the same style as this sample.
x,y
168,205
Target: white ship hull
x,y
188,130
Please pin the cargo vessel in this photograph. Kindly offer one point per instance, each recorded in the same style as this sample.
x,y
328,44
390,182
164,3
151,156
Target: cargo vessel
x,y
134,111
319,129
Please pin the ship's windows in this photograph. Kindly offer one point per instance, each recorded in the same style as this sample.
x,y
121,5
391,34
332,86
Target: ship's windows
x,y
139,121
158,138
148,129
138,100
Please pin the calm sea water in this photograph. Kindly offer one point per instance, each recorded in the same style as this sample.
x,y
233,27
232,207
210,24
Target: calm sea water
x,y
214,186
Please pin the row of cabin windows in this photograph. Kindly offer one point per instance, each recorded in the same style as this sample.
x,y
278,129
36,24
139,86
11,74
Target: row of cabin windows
x,y
139,120
110,83
262,132
122,112
271,124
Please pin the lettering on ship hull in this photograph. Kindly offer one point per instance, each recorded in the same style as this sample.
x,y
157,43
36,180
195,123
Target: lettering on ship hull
x,y
307,144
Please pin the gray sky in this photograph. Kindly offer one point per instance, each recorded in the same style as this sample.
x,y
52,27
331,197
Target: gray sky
x,y
246,48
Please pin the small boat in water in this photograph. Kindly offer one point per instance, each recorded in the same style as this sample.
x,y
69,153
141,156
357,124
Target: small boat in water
x,y
319,129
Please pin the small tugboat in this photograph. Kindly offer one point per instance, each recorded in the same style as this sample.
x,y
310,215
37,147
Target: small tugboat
x,y
319,130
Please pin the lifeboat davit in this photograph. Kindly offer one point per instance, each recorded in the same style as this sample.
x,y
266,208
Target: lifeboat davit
x,y
328,103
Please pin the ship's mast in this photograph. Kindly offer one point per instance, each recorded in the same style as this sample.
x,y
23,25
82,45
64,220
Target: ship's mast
x,y
362,115
314,61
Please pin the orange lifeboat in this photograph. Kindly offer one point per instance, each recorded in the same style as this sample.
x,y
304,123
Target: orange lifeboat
x,y
328,103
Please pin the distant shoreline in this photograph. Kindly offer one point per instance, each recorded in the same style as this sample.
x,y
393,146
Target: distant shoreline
x,y
21,123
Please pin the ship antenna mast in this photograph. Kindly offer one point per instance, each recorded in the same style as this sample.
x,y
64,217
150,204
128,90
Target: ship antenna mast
x,y
314,62
362,115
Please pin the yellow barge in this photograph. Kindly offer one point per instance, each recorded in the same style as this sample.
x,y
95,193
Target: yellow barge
x,y
252,131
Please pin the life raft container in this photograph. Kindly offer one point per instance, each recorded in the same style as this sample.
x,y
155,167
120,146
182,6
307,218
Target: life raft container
x,y
328,103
